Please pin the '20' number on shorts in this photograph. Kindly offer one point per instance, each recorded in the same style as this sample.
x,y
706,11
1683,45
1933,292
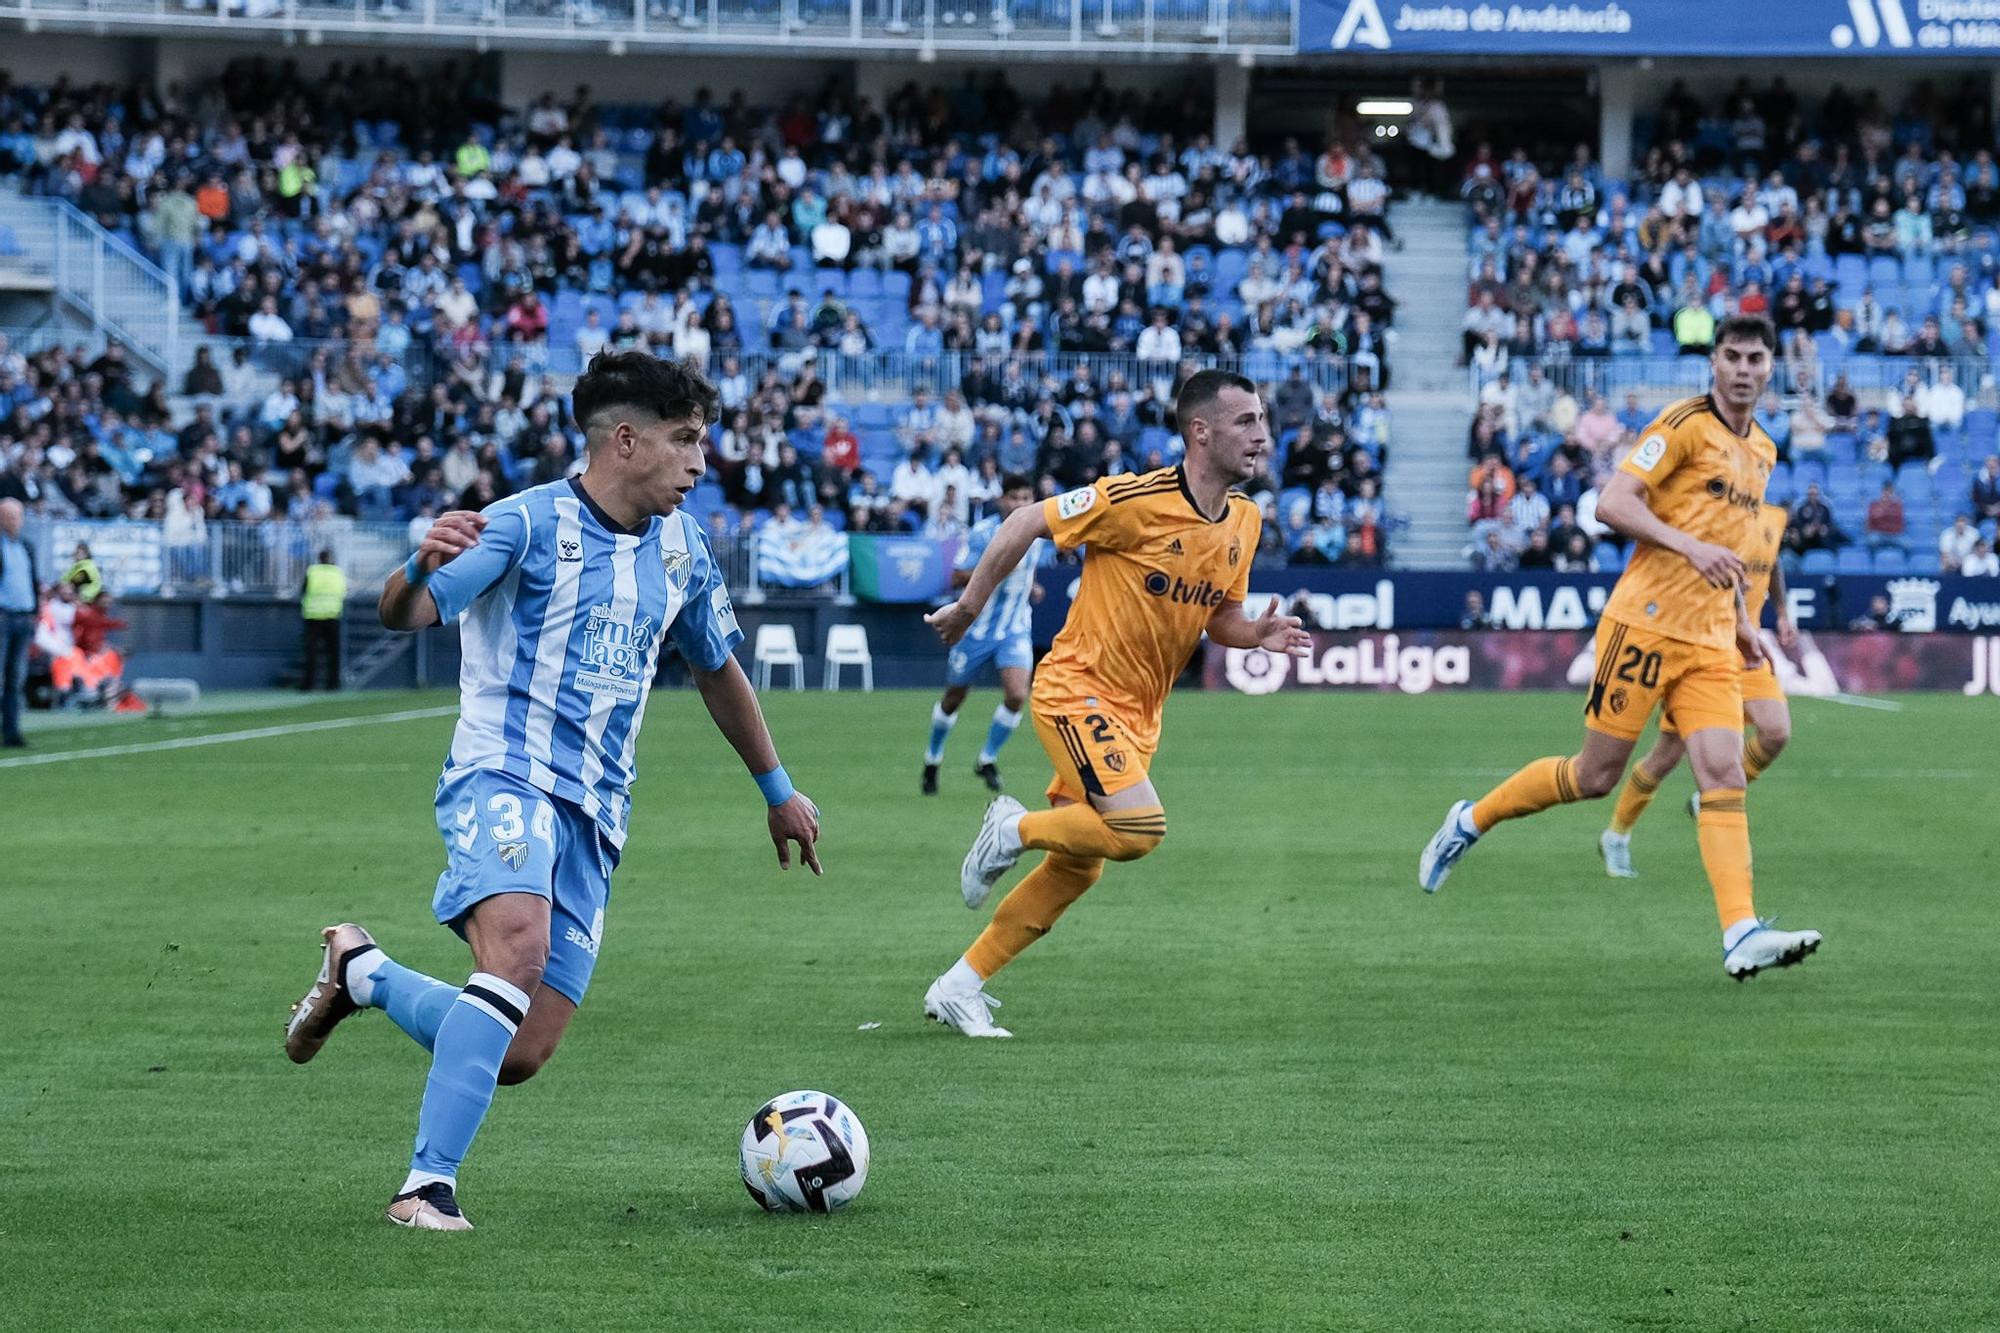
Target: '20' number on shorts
x,y
1100,729
1640,666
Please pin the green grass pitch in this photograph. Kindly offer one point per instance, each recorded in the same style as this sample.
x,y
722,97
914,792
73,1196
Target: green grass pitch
x,y
1259,1080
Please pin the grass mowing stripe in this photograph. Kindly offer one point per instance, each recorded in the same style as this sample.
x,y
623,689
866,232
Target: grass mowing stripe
x,y
227,737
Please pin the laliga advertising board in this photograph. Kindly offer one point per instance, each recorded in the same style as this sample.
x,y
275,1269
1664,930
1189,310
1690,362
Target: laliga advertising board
x,y
1865,28
1423,661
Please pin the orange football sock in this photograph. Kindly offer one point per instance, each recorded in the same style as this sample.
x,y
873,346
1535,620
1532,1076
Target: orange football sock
x,y
1633,799
1723,830
1755,758
1544,783
1026,914
1080,831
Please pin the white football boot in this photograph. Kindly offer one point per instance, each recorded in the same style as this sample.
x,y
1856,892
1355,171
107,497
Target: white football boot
x,y
969,1011
1616,849
1765,947
1445,847
989,858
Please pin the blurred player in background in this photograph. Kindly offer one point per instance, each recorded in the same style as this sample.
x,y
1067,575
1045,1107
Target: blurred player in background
x,y
1002,636
1167,558
1764,705
568,591
1676,635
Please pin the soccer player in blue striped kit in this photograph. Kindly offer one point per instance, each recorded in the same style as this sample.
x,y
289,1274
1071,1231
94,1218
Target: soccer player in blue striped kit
x,y
565,594
1002,636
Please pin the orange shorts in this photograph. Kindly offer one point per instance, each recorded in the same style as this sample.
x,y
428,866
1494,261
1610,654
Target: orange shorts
x,y
1761,682
1093,753
1694,687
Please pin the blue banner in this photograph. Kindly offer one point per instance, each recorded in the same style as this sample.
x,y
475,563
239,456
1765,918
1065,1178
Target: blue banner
x,y
900,569
1335,599
1653,28
797,555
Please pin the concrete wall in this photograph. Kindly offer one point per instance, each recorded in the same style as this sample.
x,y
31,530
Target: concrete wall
x,y
41,57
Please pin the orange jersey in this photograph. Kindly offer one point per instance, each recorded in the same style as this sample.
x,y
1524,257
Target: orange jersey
x,y
1155,570
1708,481
1760,557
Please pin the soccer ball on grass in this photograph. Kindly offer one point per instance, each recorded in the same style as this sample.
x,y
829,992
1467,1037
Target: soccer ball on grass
x,y
804,1152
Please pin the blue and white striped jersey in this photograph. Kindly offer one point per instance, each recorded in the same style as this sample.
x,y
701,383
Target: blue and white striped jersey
x,y
562,616
1009,614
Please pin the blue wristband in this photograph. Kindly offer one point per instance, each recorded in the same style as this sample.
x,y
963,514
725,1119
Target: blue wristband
x,y
776,786
413,573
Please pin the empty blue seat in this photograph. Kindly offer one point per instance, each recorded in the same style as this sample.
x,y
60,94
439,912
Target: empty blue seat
x,y
1852,560
1890,560
1817,562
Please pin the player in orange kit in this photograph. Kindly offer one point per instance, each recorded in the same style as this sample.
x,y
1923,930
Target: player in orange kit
x,y
1691,496
1167,559
1764,705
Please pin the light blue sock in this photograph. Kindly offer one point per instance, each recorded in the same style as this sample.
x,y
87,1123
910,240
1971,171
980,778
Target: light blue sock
x,y
941,725
1004,722
471,1042
414,1002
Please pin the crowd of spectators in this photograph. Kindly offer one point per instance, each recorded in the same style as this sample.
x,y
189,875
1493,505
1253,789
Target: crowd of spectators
x,y
1863,234
399,255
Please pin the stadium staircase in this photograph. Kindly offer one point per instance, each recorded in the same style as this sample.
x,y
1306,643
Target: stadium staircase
x,y
1428,399
102,277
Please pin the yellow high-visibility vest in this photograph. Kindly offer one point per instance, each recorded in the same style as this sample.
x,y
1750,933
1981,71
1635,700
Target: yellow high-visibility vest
x,y
326,593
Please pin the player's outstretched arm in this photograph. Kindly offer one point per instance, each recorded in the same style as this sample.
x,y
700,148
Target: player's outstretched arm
x,y
1623,507
407,604
731,701
1272,632
1010,542
1788,630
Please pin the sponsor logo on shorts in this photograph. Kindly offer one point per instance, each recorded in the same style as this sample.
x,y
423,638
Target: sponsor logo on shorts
x,y
587,943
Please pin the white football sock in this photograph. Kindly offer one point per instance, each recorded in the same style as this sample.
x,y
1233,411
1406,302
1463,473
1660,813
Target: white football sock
x,y
961,978
416,1180
360,985
1010,833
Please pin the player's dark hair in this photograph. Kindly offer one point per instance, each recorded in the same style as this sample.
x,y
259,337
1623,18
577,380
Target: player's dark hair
x,y
1016,481
1203,388
669,390
1748,328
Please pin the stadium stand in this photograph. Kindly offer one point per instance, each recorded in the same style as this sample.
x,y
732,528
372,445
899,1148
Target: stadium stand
x,y
1867,236
401,275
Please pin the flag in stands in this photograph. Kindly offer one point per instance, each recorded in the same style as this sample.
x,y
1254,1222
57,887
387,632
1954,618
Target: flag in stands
x,y
900,569
800,555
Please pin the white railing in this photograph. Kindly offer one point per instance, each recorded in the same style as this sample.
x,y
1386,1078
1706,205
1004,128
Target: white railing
x,y
1867,375
1266,27
222,559
122,291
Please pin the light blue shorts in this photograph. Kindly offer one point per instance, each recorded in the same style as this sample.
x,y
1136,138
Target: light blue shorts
x,y
970,657
502,835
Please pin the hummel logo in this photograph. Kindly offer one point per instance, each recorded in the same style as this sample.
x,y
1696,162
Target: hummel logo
x,y
1174,547
569,550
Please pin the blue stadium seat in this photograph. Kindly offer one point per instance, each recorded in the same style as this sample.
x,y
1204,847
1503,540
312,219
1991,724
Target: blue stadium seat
x,y
1610,557
1924,561
1918,271
1852,560
896,286
1808,473
864,282
1884,272
1779,491
1889,560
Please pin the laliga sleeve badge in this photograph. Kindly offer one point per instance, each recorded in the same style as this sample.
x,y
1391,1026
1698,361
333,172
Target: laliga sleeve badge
x,y
1072,503
1650,451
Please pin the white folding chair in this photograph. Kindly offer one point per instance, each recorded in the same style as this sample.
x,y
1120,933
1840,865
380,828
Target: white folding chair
x,y
847,645
778,646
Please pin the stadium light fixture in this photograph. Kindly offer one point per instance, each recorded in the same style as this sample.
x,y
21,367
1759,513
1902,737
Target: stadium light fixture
x,y
1387,106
